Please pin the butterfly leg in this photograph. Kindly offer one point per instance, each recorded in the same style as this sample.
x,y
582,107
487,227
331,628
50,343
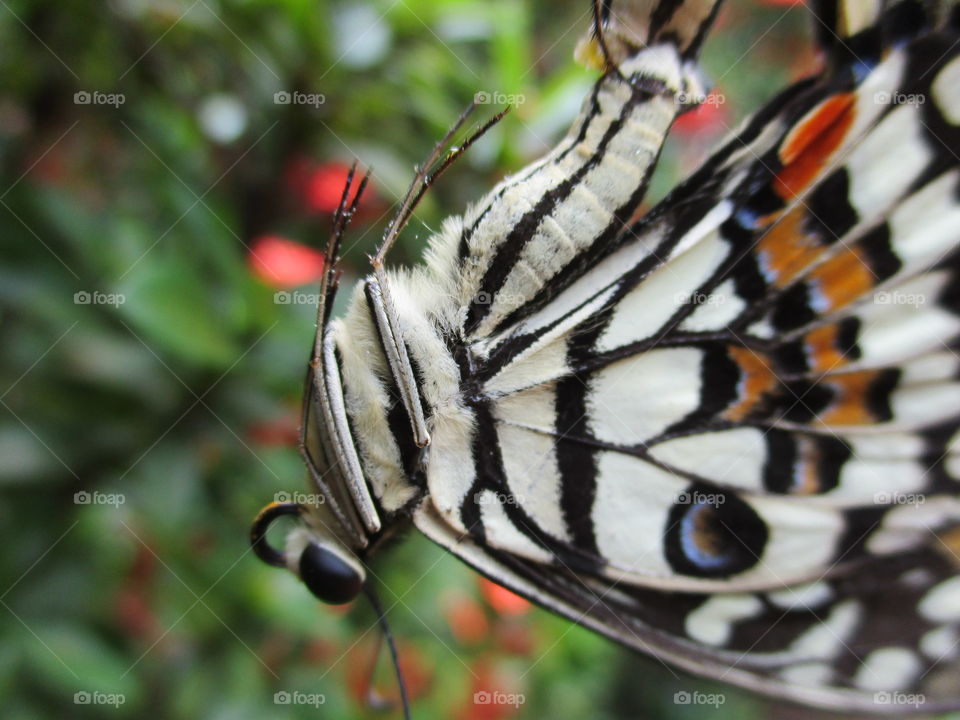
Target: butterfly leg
x,y
378,287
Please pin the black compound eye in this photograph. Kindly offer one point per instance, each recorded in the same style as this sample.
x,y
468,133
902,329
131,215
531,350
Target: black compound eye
x,y
328,576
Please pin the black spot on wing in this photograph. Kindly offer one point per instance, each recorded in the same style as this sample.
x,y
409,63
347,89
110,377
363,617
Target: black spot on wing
x,y
781,461
791,357
830,215
793,309
712,533
878,253
720,375
803,401
576,461
879,393
848,331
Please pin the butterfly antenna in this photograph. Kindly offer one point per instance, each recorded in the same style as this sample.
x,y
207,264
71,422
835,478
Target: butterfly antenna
x,y
343,215
598,32
331,273
391,646
598,22
427,174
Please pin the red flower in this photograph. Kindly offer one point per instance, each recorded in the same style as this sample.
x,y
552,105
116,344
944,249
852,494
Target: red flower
x,y
284,263
324,187
707,117
466,617
494,694
502,600
133,611
283,431
319,187
514,636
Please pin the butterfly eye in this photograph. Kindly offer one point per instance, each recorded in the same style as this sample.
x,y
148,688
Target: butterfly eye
x,y
328,576
713,534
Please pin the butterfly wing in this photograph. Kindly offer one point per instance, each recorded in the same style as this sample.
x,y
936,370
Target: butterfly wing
x,y
740,393
838,643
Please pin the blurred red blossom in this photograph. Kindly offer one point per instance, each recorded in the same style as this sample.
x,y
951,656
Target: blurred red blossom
x,y
493,693
515,636
319,187
282,431
709,116
465,616
132,606
284,263
502,600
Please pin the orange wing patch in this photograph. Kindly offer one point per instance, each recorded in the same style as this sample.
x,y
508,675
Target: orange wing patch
x,y
757,380
841,280
822,348
807,148
849,406
786,250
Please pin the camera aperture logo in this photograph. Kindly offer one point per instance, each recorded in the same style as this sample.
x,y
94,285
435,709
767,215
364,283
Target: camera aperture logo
x,y
286,697
85,497
495,697
296,97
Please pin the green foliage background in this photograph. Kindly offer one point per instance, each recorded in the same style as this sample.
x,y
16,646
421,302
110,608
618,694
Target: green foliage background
x,y
161,398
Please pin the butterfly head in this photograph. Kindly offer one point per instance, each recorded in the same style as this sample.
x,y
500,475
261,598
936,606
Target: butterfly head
x,y
313,551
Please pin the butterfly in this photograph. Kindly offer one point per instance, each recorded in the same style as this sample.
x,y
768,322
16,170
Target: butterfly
x,y
725,433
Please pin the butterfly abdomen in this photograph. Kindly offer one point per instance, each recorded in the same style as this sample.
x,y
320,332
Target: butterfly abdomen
x,y
526,239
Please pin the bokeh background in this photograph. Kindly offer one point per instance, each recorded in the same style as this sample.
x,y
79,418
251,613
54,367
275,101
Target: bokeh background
x,y
167,173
